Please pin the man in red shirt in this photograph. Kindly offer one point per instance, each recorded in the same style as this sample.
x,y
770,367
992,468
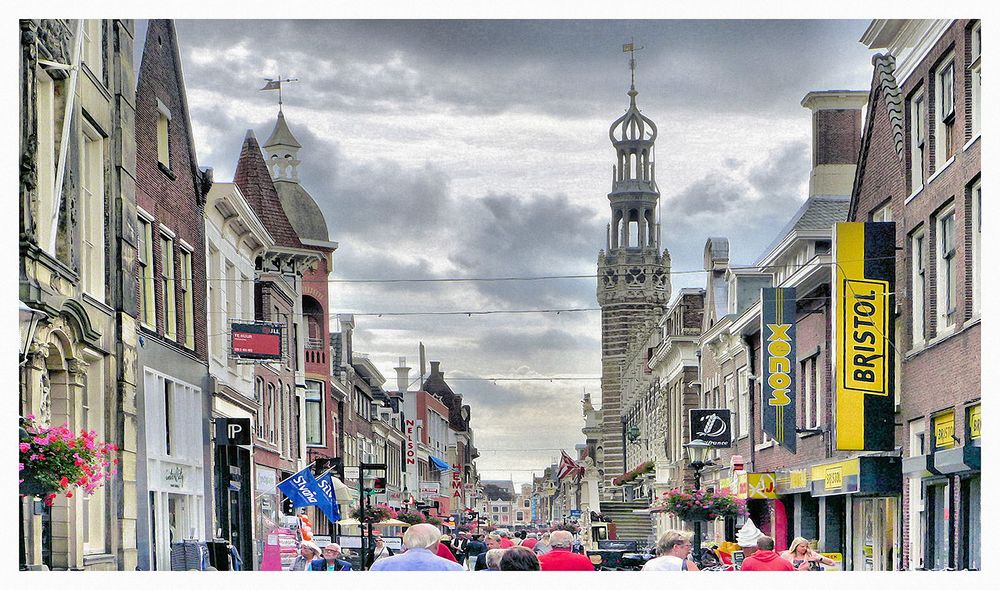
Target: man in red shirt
x,y
530,541
562,558
765,559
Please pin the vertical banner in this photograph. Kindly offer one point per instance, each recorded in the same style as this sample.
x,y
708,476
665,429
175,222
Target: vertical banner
x,y
778,360
864,279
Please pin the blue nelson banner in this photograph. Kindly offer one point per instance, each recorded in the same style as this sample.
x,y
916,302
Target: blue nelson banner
x,y
778,359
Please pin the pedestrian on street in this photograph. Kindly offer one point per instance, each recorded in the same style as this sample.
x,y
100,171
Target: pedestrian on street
x,y
492,542
765,559
381,550
530,540
561,558
505,542
476,550
421,541
493,557
519,559
673,549
457,546
803,558
329,561
542,546
747,537
308,551
443,550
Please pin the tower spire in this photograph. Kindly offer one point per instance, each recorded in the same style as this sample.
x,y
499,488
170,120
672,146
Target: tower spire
x,y
630,48
275,84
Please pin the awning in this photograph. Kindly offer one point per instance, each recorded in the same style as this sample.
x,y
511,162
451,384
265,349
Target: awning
x,y
958,459
439,464
863,475
919,466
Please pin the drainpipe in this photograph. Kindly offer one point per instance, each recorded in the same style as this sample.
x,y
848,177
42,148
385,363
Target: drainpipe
x,y
74,69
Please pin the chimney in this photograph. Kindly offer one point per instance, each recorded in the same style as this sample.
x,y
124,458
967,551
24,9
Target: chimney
x,y
436,369
836,124
402,375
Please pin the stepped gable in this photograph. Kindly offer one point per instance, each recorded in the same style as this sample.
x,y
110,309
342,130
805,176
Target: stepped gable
x,y
255,182
436,386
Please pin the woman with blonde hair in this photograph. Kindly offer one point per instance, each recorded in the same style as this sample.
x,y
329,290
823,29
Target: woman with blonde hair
x,y
673,549
803,557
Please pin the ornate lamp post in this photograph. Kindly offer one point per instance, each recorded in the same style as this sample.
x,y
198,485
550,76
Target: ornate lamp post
x,y
698,452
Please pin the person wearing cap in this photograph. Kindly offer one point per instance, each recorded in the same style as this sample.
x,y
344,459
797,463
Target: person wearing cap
x,y
765,559
308,551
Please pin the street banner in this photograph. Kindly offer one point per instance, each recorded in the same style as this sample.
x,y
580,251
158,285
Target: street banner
x,y
303,490
778,360
329,505
864,281
711,426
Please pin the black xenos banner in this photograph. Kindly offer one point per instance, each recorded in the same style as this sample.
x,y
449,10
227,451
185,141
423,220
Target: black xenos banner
x,y
864,281
778,360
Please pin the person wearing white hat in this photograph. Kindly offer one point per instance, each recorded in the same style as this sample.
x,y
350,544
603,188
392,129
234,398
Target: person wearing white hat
x,y
747,537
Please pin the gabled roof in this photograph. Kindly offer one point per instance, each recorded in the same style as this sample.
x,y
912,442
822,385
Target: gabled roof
x,y
818,213
254,181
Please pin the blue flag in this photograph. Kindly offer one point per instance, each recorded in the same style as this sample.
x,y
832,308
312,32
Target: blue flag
x,y
302,489
329,505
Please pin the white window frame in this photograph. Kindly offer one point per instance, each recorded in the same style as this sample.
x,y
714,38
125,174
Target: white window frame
x,y
46,157
218,324
168,284
947,280
187,295
92,224
812,390
93,46
975,71
147,285
918,280
92,418
883,213
730,387
918,140
163,134
944,112
743,380
917,428
975,195
233,300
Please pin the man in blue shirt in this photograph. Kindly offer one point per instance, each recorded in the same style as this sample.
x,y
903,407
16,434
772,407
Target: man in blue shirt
x,y
421,542
329,561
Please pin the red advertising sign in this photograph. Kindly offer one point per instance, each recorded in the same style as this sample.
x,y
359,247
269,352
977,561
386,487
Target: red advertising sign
x,y
257,341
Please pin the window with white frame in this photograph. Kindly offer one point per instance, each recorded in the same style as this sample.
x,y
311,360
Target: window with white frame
x,y
812,393
92,418
947,272
147,299
883,213
187,297
285,421
258,396
731,403
918,140
92,211
944,132
743,378
272,414
314,413
167,286
233,301
46,156
163,134
975,73
93,46
218,321
765,439
975,196
918,278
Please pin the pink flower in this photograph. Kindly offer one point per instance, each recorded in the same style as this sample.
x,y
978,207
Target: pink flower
x,y
41,440
24,447
20,466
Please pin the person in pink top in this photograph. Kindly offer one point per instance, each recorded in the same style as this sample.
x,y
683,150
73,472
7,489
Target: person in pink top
x,y
765,559
562,558
530,541
505,542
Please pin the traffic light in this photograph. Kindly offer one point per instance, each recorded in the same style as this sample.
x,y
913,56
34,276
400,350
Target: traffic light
x,y
338,467
379,485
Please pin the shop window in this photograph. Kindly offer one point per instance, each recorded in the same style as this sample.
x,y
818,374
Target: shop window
x,y
971,524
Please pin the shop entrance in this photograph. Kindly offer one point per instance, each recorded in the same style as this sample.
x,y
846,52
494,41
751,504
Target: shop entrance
x,y
875,534
938,518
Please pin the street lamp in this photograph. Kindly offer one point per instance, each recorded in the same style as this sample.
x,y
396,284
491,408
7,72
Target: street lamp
x,y
633,434
28,318
698,453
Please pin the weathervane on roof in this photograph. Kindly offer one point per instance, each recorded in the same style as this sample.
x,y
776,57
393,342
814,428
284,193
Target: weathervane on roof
x,y
630,48
275,84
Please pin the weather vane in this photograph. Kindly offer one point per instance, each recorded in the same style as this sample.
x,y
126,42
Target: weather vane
x,y
630,48
275,84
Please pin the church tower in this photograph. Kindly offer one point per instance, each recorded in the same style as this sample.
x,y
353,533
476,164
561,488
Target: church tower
x,y
633,274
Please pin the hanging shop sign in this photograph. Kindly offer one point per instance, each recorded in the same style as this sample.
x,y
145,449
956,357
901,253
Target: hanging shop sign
x,y
712,426
751,486
778,360
792,481
232,431
864,276
411,440
974,424
944,430
257,341
866,475
429,489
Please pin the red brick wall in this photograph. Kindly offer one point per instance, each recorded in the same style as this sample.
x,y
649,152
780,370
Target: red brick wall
x,y
837,133
265,453
172,198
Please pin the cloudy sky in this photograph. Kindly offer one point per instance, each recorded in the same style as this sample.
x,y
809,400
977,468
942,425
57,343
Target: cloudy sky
x,y
470,149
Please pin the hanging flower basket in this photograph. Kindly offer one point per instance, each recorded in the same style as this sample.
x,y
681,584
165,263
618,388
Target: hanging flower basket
x,y
641,469
53,460
374,514
434,521
692,505
411,517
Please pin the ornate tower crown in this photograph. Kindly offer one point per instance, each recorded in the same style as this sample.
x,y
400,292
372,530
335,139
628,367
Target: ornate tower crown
x,y
282,151
634,196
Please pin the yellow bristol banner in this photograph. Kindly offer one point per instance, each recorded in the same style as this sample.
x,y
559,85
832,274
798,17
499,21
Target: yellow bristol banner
x,y
864,277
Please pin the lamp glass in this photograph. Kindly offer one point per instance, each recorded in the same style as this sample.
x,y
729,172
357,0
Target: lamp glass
x,y
697,451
